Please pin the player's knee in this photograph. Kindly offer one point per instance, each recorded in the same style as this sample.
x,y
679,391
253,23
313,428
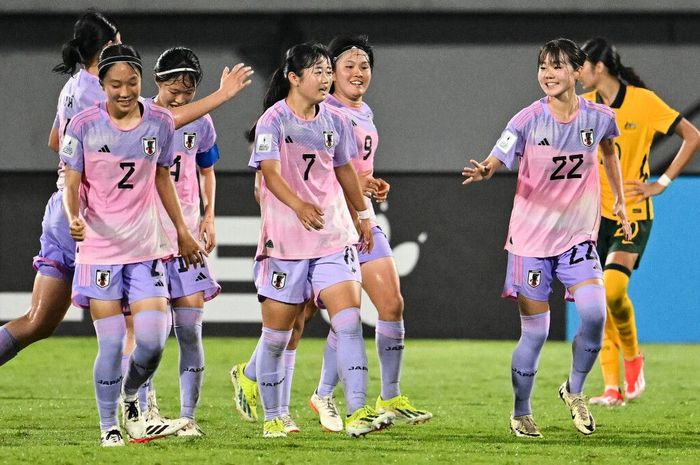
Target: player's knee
x,y
391,308
38,329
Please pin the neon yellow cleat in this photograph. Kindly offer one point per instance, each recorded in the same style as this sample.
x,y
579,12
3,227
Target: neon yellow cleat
x,y
274,429
367,420
245,393
524,427
402,409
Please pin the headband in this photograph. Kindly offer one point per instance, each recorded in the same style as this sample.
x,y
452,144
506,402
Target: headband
x,y
349,48
176,70
135,61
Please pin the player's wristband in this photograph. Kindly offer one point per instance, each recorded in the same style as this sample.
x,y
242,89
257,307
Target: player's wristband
x,y
364,214
665,180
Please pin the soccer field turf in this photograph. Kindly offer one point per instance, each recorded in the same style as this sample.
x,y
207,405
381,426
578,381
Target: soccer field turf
x,y
48,414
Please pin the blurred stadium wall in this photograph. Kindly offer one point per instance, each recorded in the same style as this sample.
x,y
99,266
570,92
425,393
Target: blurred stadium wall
x,y
448,76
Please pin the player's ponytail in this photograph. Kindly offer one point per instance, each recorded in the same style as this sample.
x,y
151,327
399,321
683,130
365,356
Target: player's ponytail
x,y
601,50
91,33
296,60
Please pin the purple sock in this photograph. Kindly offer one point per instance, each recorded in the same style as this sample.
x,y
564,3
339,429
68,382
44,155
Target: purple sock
x,y
590,304
107,371
329,369
188,329
143,394
526,357
249,371
352,358
150,331
290,357
269,368
389,338
9,347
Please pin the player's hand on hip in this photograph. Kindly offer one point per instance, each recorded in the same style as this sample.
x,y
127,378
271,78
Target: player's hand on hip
x,y
77,229
236,79
638,191
366,237
478,172
310,216
190,250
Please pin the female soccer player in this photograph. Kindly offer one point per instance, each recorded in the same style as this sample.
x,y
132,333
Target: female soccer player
x,y
554,223
118,154
55,262
303,148
177,74
643,115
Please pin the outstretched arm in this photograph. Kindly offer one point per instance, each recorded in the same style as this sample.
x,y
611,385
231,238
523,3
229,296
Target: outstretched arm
x,y
481,171
232,82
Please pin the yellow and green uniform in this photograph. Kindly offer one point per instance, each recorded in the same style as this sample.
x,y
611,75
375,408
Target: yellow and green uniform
x,y
640,115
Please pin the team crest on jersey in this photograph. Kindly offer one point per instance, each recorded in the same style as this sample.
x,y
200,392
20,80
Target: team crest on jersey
x,y
279,280
328,139
534,278
587,137
150,146
102,278
188,140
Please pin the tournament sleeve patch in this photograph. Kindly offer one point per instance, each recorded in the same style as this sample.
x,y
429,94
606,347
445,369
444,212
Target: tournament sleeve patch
x,y
264,143
68,147
507,141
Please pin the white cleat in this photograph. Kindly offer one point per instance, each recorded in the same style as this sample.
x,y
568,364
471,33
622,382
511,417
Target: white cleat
x,y
134,422
190,430
328,414
290,425
111,437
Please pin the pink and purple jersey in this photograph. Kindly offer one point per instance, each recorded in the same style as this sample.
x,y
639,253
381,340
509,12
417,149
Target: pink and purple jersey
x,y
557,198
119,198
367,140
308,152
82,91
189,144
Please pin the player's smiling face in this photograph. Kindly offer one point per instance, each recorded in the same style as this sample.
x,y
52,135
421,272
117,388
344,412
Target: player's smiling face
x,y
315,81
556,76
175,92
122,84
352,74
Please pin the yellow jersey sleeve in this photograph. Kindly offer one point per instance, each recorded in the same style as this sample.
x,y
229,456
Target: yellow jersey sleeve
x,y
662,118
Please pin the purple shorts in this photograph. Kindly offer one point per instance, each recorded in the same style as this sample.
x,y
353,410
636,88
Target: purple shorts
x,y
294,281
128,283
381,247
56,258
185,281
532,277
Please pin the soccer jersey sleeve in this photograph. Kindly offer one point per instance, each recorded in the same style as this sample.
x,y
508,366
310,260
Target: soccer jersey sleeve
x,y
510,145
267,137
167,154
346,147
207,151
662,118
71,151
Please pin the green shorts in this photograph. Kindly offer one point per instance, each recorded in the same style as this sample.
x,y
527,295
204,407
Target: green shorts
x,y
611,239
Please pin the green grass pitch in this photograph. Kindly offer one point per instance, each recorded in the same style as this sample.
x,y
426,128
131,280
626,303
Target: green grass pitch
x,y
48,414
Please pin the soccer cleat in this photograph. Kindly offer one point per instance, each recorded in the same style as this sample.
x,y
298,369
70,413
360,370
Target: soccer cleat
x,y
403,411
153,412
111,437
274,429
366,420
634,377
328,414
612,397
245,393
163,427
581,416
289,425
524,427
134,422
190,430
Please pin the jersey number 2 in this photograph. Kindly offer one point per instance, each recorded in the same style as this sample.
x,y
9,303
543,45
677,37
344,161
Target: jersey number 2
x,y
561,163
130,167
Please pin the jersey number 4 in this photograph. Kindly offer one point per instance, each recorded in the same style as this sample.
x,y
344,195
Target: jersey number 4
x,y
561,162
